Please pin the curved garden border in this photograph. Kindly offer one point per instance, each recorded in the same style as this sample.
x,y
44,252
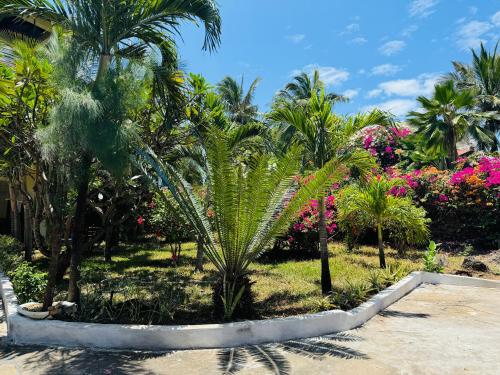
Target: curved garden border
x,y
24,331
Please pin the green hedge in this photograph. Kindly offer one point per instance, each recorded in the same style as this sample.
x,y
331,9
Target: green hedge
x,y
29,284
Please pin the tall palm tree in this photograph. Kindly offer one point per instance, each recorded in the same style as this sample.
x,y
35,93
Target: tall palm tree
x,y
252,203
482,76
102,33
449,117
324,137
238,103
303,87
372,206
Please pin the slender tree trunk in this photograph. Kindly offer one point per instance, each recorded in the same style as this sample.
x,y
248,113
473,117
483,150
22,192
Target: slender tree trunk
x,y
199,255
28,232
78,240
453,155
108,243
326,280
381,254
14,213
55,247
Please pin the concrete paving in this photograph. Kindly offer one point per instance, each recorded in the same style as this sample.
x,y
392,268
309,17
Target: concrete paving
x,y
434,330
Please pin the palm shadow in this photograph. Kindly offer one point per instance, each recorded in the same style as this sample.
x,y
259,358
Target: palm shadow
x,y
272,356
402,314
44,360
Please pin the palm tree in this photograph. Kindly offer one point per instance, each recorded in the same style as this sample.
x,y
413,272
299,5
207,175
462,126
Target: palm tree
x,y
303,87
101,34
252,203
238,104
482,76
372,206
448,118
324,137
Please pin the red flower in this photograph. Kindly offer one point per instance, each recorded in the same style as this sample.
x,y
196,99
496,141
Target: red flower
x,y
140,220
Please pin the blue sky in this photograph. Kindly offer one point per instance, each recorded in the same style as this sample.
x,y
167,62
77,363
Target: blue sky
x,y
379,52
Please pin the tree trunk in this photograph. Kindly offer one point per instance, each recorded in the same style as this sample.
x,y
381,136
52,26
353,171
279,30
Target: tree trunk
x,y
108,245
199,256
14,213
55,247
381,254
453,155
78,240
28,232
326,280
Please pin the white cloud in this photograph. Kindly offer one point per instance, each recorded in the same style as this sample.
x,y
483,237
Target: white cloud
x,y
374,93
330,75
473,10
421,85
361,71
296,38
398,107
385,70
422,8
496,19
351,28
472,34
351,93
409,30
358,40
391,47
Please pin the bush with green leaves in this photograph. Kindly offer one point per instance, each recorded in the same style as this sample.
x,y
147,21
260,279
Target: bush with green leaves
x,y
378,205
431,261
29,284
10,254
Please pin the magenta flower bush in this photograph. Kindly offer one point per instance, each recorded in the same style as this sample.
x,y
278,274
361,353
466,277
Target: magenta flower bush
x,y
303,234
384,143
464,203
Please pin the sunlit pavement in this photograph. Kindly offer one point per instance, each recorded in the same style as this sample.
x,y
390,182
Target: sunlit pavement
x,y
434,330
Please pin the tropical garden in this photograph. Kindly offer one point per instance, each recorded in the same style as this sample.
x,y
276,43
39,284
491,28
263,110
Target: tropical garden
x,y
153,196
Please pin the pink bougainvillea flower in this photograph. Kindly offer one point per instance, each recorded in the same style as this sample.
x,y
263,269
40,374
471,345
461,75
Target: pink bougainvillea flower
x,y
460,176
314,203
443,198
388,150
493,179
367,142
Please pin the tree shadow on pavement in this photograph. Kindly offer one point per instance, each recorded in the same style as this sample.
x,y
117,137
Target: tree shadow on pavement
x,y
272,356
402,314
42,360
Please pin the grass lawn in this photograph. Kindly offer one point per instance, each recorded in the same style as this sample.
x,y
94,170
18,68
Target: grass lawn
x,y
281,288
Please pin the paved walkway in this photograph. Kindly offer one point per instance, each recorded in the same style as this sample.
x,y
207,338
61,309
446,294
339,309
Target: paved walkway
x,y
434,330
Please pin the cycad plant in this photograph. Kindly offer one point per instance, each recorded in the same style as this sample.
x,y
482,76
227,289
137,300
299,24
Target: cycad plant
x,y
252,203
373,206
324,137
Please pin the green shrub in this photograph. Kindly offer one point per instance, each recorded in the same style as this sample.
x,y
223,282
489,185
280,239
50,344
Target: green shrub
x,y
28,283
10,254
350,295
431,261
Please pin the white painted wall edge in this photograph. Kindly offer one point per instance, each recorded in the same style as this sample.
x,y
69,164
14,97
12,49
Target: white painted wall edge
x,y
24,331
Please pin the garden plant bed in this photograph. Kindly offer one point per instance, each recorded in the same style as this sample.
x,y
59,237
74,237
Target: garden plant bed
x,y
282,288
22,330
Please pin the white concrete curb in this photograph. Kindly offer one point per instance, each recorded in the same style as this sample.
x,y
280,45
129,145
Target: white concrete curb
x,y
23,331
